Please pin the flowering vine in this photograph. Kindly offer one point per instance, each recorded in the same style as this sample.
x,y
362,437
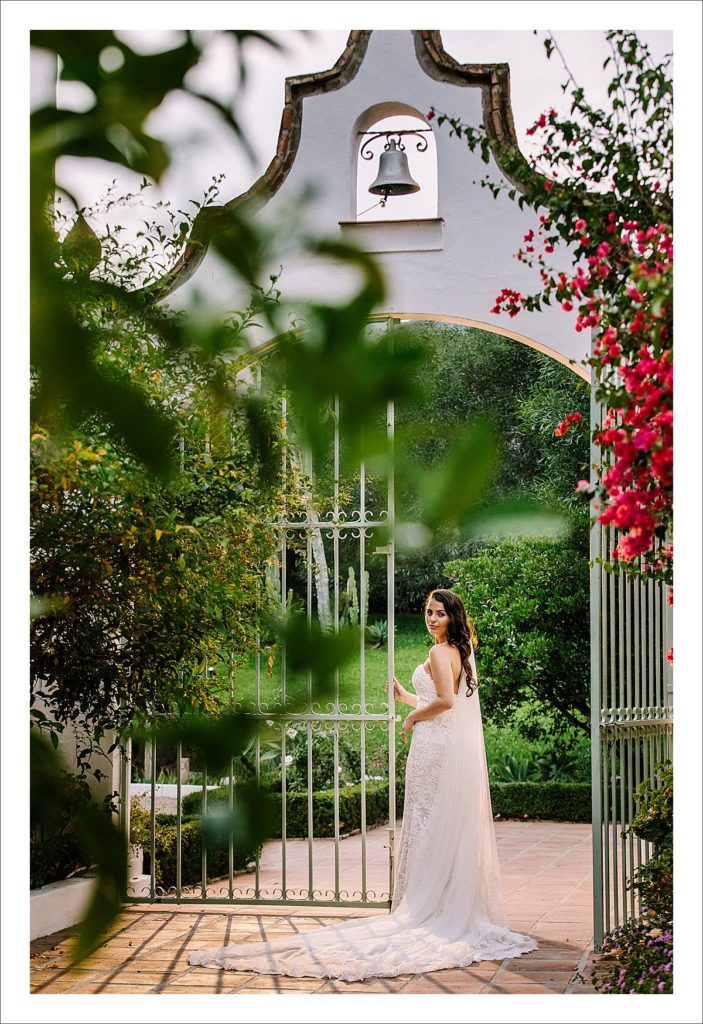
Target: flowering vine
x,y
601,185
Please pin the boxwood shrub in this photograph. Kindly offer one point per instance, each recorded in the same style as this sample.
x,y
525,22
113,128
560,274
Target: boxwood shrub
x,y
323,810
297,807
191,845
549,801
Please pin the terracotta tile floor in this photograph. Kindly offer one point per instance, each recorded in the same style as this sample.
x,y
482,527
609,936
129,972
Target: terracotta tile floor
x,y
546,870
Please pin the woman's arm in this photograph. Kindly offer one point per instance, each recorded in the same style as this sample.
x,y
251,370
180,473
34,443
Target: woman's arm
x,y
404,695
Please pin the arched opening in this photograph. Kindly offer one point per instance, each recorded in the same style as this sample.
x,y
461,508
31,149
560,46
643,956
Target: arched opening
x,y
505,332
420,149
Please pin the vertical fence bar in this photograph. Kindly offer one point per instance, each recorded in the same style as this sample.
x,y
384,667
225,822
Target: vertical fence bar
x,y
623,744
124,779
308,731
230,795
644,650
257,858
179,822
284,813
203,849
651,699
621,646
596,655
636,648
614,835
362,759
631,756
335,760
311,819
612,670
390,605
631,737
363,598
152,826
335,556
606,835
284,788
658,700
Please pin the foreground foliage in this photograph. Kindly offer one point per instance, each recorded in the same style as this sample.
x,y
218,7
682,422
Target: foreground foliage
x,y
639,957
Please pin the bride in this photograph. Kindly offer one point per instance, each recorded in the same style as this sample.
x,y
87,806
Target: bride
x,y
447,908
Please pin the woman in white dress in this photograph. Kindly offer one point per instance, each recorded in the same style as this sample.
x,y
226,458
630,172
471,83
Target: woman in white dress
x,y
447,909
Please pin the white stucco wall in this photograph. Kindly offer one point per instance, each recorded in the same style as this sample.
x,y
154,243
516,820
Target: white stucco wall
x,y
480,234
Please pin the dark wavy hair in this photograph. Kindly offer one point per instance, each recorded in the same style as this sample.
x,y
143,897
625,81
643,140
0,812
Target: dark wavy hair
x,y
460,630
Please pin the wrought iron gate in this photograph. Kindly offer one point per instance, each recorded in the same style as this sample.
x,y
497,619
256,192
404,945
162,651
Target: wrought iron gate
x,y
631,722
631,719
315,545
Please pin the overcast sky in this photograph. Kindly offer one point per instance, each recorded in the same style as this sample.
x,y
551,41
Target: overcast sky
x,y
203,147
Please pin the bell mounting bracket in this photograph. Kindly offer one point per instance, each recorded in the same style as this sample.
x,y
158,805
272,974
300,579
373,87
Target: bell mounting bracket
x,y
421,145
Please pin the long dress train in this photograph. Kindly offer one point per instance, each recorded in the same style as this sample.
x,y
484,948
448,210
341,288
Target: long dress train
x,y
447,909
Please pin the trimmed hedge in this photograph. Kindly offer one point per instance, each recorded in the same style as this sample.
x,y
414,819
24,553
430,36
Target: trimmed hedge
x,y
297,807
191,845
219,798
550,801
547,801
323,810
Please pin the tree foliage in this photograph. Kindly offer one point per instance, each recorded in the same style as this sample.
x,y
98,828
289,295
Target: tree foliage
x,y
475,375
529,601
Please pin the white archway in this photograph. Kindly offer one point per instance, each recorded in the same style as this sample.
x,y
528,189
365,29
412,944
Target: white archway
x,y
504,332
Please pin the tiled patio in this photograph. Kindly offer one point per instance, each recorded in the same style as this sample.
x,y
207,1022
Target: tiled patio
x,y
546,881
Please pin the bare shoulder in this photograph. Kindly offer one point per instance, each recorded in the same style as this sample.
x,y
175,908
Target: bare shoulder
x,y
441,656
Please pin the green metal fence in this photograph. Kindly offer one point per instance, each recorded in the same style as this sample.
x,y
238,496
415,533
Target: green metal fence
x,y
318,544
631,720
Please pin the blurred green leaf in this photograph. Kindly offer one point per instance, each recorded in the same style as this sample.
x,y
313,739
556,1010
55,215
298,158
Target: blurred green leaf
x,y
310,649
519,518
218,737
251,822
451,490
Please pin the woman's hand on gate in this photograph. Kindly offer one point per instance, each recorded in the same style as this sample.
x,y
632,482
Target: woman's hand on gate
x,y
399,691
408,725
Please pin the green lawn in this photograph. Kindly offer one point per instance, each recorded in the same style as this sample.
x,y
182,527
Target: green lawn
x,y
411,646
410,650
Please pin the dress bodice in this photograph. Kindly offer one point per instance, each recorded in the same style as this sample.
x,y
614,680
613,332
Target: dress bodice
x,y
426,691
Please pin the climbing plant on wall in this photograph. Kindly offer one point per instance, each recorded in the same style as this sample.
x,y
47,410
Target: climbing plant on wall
x,y
602,186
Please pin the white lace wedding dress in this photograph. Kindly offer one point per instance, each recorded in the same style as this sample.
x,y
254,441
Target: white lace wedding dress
x,y
447,908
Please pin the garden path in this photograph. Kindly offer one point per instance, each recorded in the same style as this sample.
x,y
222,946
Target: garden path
x,y
547,885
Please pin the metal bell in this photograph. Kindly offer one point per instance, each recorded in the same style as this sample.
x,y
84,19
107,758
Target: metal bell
x,y
394,178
